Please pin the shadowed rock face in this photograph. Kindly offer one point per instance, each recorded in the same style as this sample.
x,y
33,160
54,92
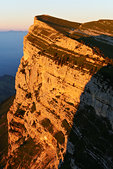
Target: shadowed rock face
x,y
54,77
7,87
90,140
4,108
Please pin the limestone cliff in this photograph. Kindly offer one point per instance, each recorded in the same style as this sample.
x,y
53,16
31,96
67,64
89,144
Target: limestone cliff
x,y
53,74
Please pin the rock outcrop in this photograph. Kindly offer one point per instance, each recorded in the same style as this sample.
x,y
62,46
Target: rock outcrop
x,y
53,79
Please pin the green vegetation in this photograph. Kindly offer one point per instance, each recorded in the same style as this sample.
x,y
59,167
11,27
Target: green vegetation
x,y
59,136
46,123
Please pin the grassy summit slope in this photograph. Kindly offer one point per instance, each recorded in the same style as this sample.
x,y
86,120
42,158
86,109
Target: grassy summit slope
x,y
60,25
100,25
94,34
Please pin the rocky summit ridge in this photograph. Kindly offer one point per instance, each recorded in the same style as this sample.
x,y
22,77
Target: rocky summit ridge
x,y
63,109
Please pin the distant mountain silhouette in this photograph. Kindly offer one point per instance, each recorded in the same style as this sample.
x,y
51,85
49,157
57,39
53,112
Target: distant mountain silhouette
x,y
11,51
7,87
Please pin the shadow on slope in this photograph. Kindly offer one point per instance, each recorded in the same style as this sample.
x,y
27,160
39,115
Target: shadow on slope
x,y
90,142
4,107
103,42
7,87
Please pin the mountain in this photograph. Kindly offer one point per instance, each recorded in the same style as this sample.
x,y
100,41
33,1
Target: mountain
x,y
62,114
7,87
11,51
4,108
94,34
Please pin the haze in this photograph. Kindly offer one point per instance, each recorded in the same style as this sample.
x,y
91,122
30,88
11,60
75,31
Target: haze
x,y
11,51
19,14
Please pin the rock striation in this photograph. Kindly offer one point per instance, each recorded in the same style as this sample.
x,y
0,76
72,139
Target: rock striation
x,y
53,80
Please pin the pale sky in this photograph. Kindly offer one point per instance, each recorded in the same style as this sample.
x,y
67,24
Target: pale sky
x,y
19,14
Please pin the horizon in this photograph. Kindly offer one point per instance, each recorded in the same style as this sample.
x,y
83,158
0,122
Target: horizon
x,y
26,30
20,15
11,51
56,84
14,30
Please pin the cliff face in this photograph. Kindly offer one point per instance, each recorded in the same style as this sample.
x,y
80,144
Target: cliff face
x,y
53,73
90,140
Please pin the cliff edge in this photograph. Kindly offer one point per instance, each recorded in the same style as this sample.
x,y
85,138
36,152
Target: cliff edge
x,y
53,74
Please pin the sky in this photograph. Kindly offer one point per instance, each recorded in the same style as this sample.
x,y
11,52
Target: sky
x,y
19,14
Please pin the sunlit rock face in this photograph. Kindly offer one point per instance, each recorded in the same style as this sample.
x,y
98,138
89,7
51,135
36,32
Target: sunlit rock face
x,y
52,76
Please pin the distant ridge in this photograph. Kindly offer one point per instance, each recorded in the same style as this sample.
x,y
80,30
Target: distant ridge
x,y
13,31
7,87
